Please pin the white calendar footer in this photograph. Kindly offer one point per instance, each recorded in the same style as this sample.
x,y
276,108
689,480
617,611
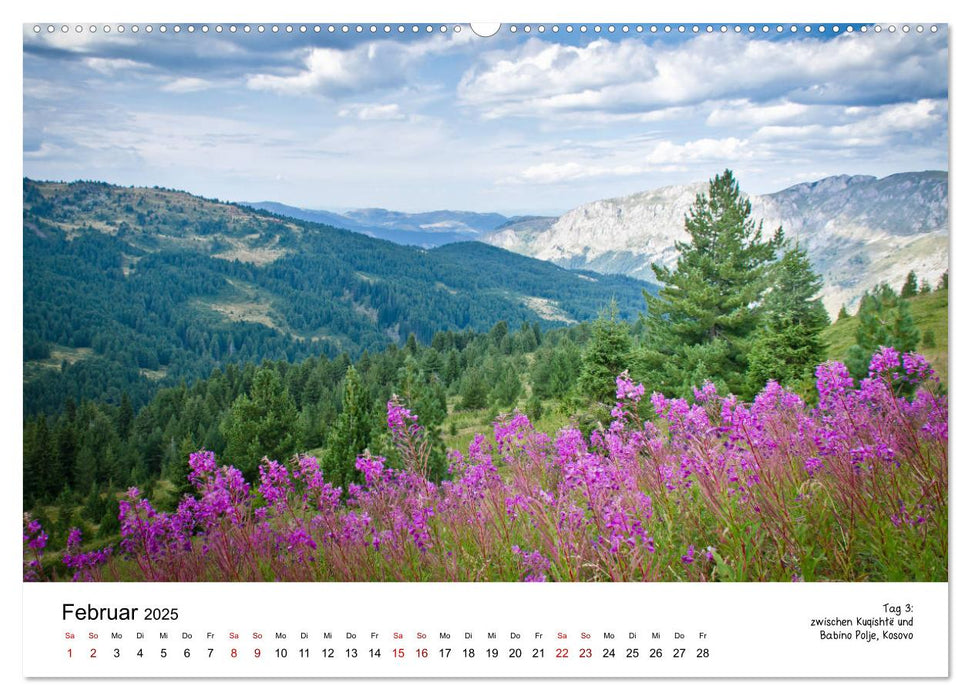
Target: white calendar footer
x,y
485,630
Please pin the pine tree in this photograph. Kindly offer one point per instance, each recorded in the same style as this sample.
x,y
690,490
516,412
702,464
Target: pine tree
x,y
66,446
351,434
506,386
126,416
607,355
884,321
453,367
261,424
432,362
906,335
425,395
475,391
525,339
843,313
555,370
39,463
411,344
790,345
534,408
702,321
498,333
910,286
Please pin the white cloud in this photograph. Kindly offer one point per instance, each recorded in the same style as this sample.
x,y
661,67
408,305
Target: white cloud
x,y
326,71
747,113
541,78
552,173
373,112
864,126
551,70
727,150
109,66
641,157
335,72
187,85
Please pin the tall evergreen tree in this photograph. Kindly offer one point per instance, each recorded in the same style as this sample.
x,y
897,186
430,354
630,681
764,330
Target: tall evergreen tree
x,y
790,345
66,445
261,424
126,416
498,333
703,319
411,345
909,288
884,321
555,369
40,463
506,385
425,395
351,434
607,355
453,367
475,391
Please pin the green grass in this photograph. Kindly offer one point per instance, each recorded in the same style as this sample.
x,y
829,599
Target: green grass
x,y
929,312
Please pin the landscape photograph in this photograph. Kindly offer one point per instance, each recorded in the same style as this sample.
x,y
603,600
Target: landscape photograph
x,y
537,303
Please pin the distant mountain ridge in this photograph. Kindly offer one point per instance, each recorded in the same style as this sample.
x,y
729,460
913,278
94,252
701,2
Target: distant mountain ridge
x,y
425,229
858,230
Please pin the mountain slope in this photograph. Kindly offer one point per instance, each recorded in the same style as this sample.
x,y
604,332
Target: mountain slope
x,y
130,286
858,230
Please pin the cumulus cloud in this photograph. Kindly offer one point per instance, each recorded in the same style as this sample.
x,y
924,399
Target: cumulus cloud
x,y
566,118
865,126
335,72
541,77
329,71
727,150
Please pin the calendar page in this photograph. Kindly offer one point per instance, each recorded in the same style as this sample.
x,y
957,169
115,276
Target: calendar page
x,y
466,350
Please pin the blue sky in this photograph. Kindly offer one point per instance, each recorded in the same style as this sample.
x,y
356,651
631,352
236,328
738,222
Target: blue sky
x,y
515,123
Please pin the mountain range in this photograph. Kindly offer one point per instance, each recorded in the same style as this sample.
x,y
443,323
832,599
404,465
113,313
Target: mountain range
x,y
425,229
859,230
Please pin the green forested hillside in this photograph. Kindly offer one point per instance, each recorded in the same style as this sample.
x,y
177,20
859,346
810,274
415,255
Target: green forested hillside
x,y
128,289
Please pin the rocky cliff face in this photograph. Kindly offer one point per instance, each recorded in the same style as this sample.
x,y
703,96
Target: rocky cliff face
x,y
859,230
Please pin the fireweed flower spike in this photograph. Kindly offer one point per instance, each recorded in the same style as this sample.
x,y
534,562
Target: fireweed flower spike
x,y
35,541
